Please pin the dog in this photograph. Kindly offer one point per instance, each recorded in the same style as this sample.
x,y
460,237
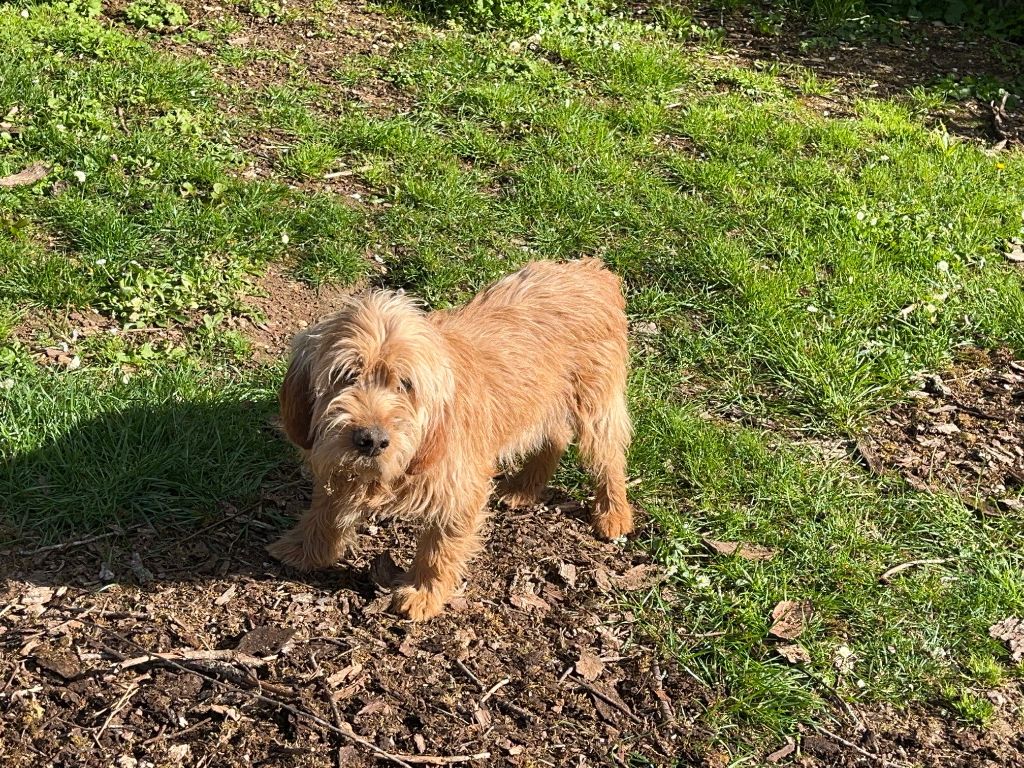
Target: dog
x,y
405,412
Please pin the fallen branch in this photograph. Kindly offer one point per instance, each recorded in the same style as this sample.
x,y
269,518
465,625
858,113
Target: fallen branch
x,y
32,174
885,577
849,744
346,730
202,655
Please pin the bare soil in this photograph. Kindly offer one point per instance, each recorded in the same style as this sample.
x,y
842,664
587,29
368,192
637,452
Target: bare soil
x,y
279,307
962,431
534,663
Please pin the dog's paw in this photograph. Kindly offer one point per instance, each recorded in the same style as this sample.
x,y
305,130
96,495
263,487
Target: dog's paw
x,y
417,604
515,499
291,550
613,526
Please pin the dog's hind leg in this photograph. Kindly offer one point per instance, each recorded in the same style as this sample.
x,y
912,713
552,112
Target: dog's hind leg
x,y
524,488
442,555
322,535
603,440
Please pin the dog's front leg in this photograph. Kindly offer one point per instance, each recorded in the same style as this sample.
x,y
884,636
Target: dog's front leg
x,y
442,554
323,533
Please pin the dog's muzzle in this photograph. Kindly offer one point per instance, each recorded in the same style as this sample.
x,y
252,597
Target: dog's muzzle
x,y
370,441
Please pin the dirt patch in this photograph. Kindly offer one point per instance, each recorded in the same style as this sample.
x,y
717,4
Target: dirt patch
x,y
280,306
962,431
887,736
914,54
534,663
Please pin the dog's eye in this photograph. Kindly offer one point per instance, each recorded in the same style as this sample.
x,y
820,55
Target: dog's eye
x,y
404,385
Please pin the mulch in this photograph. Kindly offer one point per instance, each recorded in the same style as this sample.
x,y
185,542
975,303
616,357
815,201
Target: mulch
x,y
961,431
534,662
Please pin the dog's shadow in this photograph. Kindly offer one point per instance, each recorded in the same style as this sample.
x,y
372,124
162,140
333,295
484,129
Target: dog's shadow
x,y
174,491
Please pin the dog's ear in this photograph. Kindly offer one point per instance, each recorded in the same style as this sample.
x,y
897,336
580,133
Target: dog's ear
x,y
296,402
433,447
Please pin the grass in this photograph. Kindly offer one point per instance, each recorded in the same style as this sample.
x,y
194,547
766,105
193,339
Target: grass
x,y
800,268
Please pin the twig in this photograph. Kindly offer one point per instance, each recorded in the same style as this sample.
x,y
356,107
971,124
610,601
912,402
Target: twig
x,y
469,673
69,544
215,524
438,760
187,656
490,691
885,577
664,703
398,759
121,704
846,743
503,703
337,716
604,697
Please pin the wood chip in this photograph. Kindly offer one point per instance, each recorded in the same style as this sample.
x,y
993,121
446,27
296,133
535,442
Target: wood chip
x,y
528,600
30,175
790,618
567,572
226,595
785,751
869,456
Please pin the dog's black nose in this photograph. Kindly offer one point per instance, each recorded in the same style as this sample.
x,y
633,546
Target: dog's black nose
x,y
370,442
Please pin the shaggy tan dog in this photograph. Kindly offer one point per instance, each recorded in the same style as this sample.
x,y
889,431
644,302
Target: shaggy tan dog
x,y
404,412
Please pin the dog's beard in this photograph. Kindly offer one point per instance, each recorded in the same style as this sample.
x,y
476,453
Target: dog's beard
x,y
336,462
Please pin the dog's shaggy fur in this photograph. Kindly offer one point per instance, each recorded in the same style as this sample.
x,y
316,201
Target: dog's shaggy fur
x,y
412,413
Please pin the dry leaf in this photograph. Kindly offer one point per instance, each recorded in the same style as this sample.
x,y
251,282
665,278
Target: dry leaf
x,y
1012,632
374,707
741,549
37,596
266,641
946,428
228,713
348,672
1016,252
420,742
589,666
60,661
407,648
790,617
529,600
638,577
794,653
30,175
226,596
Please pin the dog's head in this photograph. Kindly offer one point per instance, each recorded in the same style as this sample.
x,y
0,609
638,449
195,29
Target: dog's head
x,y
368,389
